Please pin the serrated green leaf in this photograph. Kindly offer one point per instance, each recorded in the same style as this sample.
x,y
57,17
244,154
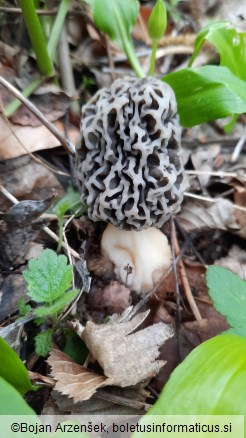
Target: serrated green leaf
x,y
58,305
157,21
11,402
228,292
210,381
13,370
43,343
115,17
48,277
229,43
207,93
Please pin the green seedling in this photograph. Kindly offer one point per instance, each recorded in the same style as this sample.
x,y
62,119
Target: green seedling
x,y
69,202
49,281
156,28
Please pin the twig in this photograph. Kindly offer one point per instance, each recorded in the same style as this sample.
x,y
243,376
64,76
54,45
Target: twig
x,y
110,58
238,148
66,71
219,174
176,282
66,143
207,199
184,280
19,11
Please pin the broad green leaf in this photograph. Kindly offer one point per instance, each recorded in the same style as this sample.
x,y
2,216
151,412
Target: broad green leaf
x,y
43,343
115,17
11,402
207,93
229,43
58,305
48,277
157,21
13,370
210,381
228,292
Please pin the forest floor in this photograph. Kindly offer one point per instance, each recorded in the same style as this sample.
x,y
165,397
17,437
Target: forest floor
x,y
209,229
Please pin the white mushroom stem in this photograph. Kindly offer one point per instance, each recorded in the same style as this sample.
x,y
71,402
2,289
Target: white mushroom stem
x,y
140,257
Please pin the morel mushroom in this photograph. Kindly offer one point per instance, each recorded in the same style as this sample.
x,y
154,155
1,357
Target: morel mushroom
x,y
130,173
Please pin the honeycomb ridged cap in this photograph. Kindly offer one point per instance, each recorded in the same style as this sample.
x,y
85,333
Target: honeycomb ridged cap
x,y
129,164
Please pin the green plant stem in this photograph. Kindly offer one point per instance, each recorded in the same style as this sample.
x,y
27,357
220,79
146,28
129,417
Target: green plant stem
x,y
36,35
153,57
57,28
16,103
128,47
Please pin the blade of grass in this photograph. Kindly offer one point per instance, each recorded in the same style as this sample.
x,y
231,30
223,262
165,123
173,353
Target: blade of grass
x,y
57,28
36,35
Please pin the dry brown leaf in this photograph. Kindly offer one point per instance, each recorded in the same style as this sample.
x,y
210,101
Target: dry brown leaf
x,y
197,215
235,261
33,139
203,161
72,379
127,358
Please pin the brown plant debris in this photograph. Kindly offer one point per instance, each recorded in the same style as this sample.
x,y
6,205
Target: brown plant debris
x,y
72,379
127,356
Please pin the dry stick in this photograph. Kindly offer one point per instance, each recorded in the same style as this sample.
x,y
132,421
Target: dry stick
x,y
184,279
176,282
110,58
46,229
213,200
64,142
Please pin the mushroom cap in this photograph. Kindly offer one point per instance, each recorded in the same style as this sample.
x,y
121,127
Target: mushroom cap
x,y
129,163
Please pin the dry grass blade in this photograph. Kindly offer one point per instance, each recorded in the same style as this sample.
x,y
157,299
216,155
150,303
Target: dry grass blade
x,y
72,379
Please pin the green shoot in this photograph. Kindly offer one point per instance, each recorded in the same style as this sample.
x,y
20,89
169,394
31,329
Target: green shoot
x,y
69,202
117,19
36,35
156,27
57,27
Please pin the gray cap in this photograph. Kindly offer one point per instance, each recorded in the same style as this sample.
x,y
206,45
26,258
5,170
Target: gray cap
x,y
129,163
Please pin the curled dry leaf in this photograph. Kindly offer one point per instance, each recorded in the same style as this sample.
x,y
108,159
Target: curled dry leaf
x,y
127,358
235,261
200,216
72,379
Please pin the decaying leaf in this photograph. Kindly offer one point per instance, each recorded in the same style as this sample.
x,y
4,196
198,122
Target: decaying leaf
x,y
200,216
30,138
25,212
126,356
235,261
72,379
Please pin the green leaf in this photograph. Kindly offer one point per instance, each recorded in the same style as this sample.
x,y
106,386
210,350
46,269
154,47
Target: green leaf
x,y
11,402
69,202
114,17
229,43
207,93
13,370
157,21
48,277
228,292
43,343
210,381
58,305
